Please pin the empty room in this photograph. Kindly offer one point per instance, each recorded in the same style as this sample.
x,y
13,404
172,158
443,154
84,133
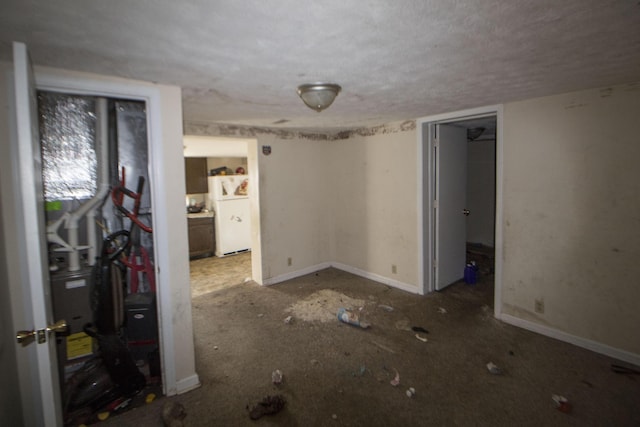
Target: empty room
x,y
298,213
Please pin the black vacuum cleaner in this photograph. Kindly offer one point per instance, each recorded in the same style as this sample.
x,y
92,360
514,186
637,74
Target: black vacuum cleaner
x,y
108,381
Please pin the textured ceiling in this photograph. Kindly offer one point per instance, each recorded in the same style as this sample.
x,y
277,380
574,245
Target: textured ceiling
x,y
239,62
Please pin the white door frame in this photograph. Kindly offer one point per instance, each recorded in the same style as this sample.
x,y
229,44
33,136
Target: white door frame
x,y
122,89
426,196
31,249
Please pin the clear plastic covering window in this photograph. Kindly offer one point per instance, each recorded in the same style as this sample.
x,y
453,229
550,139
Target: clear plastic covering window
x,y
67,135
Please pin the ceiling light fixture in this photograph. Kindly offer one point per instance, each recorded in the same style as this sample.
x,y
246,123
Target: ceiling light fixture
x,y
318,96
474,133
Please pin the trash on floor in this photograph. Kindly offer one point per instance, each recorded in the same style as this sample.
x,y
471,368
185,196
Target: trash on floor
x,y
348,316
421,338
288,319
276,377
268,406
150,398
385,307
442,310
172,414
419,329
470,271
384,347
562,404
396,380
493,368
411,392
360,372
321,306
403,325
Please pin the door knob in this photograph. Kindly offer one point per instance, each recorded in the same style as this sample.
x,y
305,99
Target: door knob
x,y
59,327
466,212
27,337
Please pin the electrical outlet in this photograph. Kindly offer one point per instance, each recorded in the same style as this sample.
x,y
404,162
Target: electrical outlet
x,y
394,269
539,306
289,261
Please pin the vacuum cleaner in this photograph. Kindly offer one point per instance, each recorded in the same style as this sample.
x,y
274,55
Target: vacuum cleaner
x,y
108,381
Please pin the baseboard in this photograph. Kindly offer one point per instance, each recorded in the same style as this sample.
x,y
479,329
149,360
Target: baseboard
x,y
187,384
358,272
295,274
594,346
376,278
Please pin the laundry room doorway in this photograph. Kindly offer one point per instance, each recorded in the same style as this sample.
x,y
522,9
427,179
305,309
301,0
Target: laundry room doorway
x,y
23,204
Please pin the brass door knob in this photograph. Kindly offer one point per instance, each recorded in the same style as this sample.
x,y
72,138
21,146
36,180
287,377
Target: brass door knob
x,y
27,337
59,326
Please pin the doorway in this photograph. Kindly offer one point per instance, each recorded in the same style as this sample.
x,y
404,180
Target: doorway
x,y
481,168
28,271
101,251
230,202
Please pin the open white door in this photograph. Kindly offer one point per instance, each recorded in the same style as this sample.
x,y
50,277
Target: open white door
x,y
450,144
34,273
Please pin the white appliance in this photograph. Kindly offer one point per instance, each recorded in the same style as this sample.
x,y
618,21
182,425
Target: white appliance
x,y
228,196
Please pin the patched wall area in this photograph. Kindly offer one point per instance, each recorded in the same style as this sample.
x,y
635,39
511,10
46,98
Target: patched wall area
x,y
572,214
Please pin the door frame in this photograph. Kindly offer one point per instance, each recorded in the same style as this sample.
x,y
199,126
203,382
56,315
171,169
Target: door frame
x,y
35,362
252,156
426,176
169,220
88,85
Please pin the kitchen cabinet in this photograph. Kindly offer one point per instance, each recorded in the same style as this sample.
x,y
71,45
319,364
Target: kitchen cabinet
x,y
196,175
201,237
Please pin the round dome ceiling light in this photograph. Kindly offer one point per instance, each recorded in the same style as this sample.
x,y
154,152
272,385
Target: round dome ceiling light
x,y
318,96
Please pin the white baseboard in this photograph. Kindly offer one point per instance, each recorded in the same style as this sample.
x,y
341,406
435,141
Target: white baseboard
x,y
187,384
594,346
377,278
297,273
367,275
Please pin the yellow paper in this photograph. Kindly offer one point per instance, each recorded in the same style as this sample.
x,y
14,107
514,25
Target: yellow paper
x,y
78,345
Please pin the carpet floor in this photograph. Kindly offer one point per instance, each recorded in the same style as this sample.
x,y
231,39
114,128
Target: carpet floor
x,y
335,374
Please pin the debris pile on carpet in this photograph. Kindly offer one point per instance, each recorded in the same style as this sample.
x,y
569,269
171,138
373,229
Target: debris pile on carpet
x,y
268,406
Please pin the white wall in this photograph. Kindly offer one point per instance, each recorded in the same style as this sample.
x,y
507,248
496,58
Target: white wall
x,y
171,241
294,201
481,192
374,203
572,214
207,146
349,202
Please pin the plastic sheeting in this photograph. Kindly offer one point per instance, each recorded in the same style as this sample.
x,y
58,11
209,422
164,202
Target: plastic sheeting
x,y
67,135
